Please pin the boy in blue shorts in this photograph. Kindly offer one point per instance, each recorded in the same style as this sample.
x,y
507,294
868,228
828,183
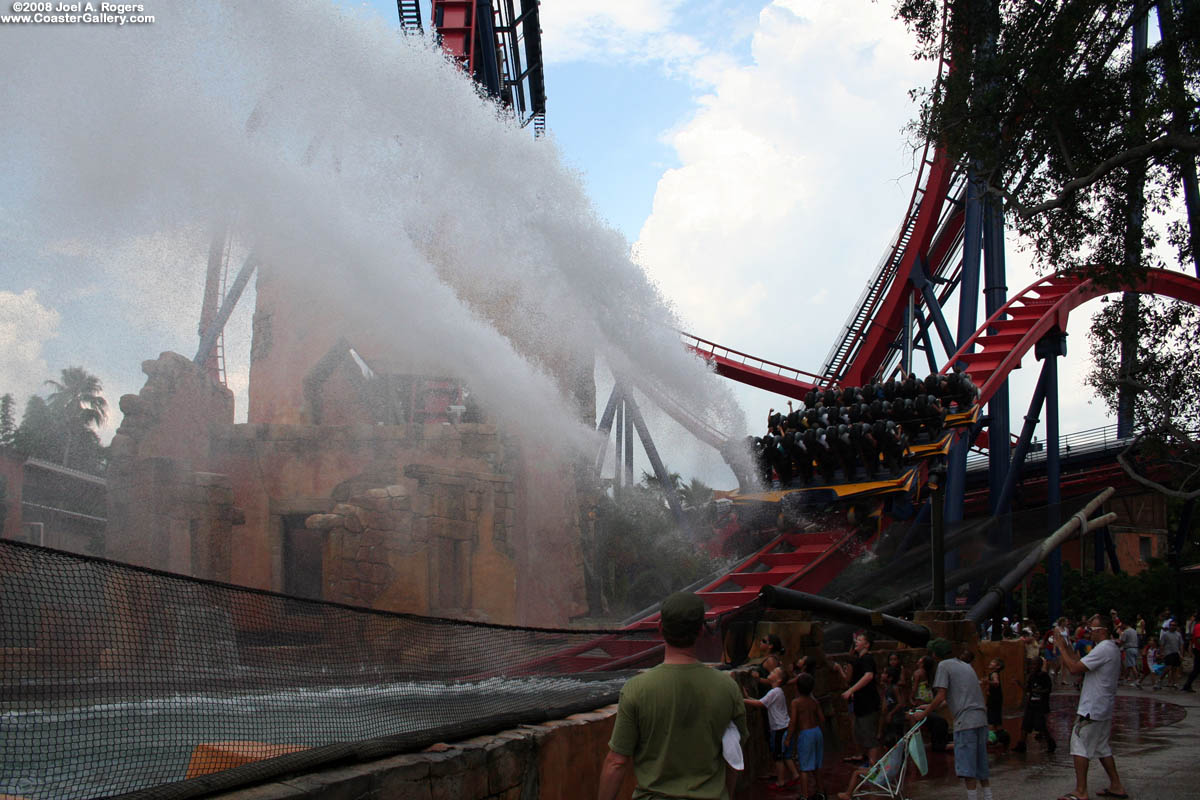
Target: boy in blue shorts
x,y
805,739
775,704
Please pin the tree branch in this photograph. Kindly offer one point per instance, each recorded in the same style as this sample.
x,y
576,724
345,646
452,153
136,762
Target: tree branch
x,y
1164,144
1144,481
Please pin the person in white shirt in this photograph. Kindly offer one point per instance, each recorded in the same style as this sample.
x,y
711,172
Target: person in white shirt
x,y
776,706
1101,670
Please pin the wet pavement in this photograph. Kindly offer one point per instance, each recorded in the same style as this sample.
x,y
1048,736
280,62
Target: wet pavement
x,y
1156,742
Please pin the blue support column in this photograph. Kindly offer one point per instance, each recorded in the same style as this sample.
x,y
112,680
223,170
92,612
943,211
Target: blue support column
x,y
995,293
1018,457
617,451
628,450
926,342
1053,345
968,312
920,280
906,357
968,299
606,425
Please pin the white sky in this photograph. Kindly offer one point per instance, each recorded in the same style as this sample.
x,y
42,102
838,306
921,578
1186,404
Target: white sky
x,y
751,152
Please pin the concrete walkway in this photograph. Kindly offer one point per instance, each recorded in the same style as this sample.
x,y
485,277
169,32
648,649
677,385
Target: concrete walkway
x,y
1156,743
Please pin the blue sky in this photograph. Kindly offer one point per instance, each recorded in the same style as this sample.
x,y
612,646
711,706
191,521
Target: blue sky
x,y
750,151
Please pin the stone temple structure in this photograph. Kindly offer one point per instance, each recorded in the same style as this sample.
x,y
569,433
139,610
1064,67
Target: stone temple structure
x,y
360,477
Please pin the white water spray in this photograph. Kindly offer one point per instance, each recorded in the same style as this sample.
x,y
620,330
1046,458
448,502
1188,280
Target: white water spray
x,y
375,172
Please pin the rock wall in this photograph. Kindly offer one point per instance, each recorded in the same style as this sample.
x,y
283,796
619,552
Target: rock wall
x,y
438,548
165,510
426,519
441,518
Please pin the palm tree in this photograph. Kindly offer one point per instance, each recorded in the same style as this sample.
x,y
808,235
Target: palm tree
x,y
78,401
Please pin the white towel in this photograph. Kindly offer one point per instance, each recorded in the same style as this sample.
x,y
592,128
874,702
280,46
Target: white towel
x,y
731,745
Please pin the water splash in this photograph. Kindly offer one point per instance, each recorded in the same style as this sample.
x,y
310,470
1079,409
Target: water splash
x,y
372,171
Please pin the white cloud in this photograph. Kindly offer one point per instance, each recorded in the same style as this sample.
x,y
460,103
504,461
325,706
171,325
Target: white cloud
x,y
586,29
634,32
25,326
786,196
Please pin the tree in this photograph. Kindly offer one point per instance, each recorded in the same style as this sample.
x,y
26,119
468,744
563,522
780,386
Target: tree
x,y
78,401
640,553
41,433
1067,129
1165,453
8,422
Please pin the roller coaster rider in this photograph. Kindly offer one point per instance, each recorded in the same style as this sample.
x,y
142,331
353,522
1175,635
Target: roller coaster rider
x,y
794,417
891,443
868,448
847,454
825,455
802,456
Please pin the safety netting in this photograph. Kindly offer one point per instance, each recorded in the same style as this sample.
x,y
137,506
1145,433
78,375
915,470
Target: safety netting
x,y
117,680
896,573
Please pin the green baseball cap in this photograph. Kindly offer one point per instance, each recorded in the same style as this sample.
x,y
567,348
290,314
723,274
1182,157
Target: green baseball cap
x,y
682,614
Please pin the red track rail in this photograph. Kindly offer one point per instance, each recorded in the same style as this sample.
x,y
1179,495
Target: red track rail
x,y
751,370
887,321
805,561
1044,305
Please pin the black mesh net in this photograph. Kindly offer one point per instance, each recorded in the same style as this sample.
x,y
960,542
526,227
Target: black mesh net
x,y
120,680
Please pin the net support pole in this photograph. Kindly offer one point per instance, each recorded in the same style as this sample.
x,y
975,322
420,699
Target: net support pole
x,y
937,544
1051,346
910,633
993,597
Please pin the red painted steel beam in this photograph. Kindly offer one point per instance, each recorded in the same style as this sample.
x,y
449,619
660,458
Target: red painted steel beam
x,y
1041,307
751,370
454,20
888,321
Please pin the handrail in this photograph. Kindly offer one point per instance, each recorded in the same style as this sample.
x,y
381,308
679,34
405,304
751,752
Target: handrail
x,y
697,344
1089,440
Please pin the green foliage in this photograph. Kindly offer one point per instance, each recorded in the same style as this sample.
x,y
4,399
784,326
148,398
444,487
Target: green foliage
x,y
60,427
641,555
1166,405
1086,593
1167,364
41,434
1063,125
8,420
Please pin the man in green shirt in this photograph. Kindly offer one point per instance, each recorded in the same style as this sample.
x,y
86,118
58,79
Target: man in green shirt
x,y
671,718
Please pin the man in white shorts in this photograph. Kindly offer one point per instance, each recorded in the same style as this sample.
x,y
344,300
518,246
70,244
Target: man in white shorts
x,y
1101,669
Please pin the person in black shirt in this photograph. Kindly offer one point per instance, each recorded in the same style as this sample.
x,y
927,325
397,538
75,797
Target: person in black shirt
x,y
864,692
1037,708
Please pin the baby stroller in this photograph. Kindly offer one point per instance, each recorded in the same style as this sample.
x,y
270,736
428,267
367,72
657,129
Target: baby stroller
x,y
885,777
